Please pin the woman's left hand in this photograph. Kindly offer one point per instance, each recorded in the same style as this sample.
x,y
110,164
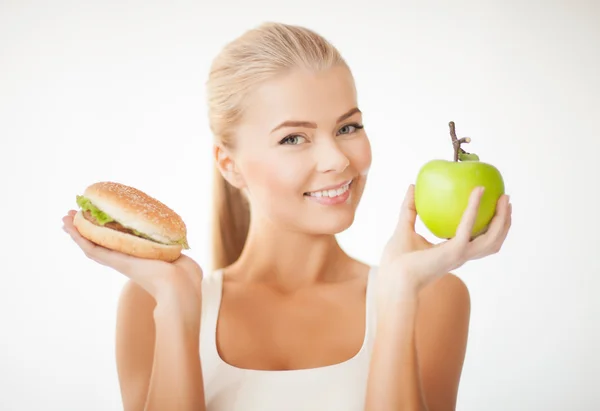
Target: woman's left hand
x,y
409,262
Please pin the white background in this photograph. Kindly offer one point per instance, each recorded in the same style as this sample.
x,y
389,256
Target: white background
x,y
101,92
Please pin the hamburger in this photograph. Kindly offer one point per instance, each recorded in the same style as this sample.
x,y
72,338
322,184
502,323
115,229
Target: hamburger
x,y
127,220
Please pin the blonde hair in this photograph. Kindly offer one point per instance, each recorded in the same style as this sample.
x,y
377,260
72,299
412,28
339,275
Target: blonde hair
x,y
251,59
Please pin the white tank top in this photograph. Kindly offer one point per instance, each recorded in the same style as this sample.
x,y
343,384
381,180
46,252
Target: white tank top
x,y
338,387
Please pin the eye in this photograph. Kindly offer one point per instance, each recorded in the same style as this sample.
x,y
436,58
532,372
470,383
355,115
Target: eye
x,y
350,128
292,140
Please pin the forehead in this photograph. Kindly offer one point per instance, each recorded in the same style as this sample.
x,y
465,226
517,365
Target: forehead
x,y
302,95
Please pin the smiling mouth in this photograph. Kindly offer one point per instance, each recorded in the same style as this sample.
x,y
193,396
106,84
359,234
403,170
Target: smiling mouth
x,y
330,193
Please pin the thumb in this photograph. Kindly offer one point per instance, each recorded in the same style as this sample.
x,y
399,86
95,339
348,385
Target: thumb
x,y
408,211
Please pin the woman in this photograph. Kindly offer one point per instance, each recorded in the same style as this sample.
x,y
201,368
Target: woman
x,y
287,320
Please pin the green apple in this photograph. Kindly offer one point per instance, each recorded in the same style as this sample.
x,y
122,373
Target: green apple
x,y
443,187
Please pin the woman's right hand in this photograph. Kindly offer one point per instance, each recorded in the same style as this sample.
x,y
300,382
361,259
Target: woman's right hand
x,y
174,285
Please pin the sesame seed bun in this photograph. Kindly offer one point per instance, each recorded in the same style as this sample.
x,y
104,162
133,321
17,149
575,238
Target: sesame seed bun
x,y
134,210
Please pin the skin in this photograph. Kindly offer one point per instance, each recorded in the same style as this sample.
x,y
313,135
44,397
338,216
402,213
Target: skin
x,y
423,310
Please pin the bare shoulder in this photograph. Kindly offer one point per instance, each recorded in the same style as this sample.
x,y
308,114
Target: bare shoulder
x,y
135,336
449,291
445,304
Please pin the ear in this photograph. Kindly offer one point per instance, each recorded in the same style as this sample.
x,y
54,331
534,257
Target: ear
x,y
227,166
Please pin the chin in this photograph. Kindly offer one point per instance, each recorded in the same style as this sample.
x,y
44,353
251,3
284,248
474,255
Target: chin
x,y
331,223
331,229
339,228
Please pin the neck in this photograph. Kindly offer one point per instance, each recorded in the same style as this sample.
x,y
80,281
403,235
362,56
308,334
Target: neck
x,y
289,259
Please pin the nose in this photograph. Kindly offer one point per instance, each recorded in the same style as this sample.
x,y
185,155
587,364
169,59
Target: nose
x,y
330,158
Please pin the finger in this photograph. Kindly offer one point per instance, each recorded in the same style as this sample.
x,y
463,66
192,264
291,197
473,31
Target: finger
x,y
508,222
68,218
408,211
465,227
450,255
507,225
91,250
492,240
118,261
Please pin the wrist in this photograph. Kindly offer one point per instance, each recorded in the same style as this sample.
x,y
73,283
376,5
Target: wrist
x,y
397,311
176,297
177,313
397,289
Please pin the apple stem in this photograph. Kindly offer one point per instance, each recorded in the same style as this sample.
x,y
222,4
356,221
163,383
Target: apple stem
x,y
456,142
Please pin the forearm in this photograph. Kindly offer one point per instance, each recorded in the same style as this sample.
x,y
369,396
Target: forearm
x,y
394,382
176,382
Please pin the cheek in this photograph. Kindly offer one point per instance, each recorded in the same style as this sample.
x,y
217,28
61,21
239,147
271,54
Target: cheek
x,y
359,154
273,176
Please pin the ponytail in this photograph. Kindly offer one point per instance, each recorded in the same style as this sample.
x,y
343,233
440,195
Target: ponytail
x,y
231,221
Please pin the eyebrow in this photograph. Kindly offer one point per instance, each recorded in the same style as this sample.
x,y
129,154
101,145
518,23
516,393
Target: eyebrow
x,y
308,124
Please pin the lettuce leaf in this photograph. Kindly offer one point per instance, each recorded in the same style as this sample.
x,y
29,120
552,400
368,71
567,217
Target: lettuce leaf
x,y
100,216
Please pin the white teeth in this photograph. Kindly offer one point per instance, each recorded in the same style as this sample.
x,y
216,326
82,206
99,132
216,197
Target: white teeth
x,y
331,193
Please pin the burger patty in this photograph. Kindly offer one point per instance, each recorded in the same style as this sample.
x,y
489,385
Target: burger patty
x,y
112,225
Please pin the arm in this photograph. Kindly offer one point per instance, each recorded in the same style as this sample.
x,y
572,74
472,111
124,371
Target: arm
x,y
441,335
135,336
419,349
423,313
157,355
158,328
